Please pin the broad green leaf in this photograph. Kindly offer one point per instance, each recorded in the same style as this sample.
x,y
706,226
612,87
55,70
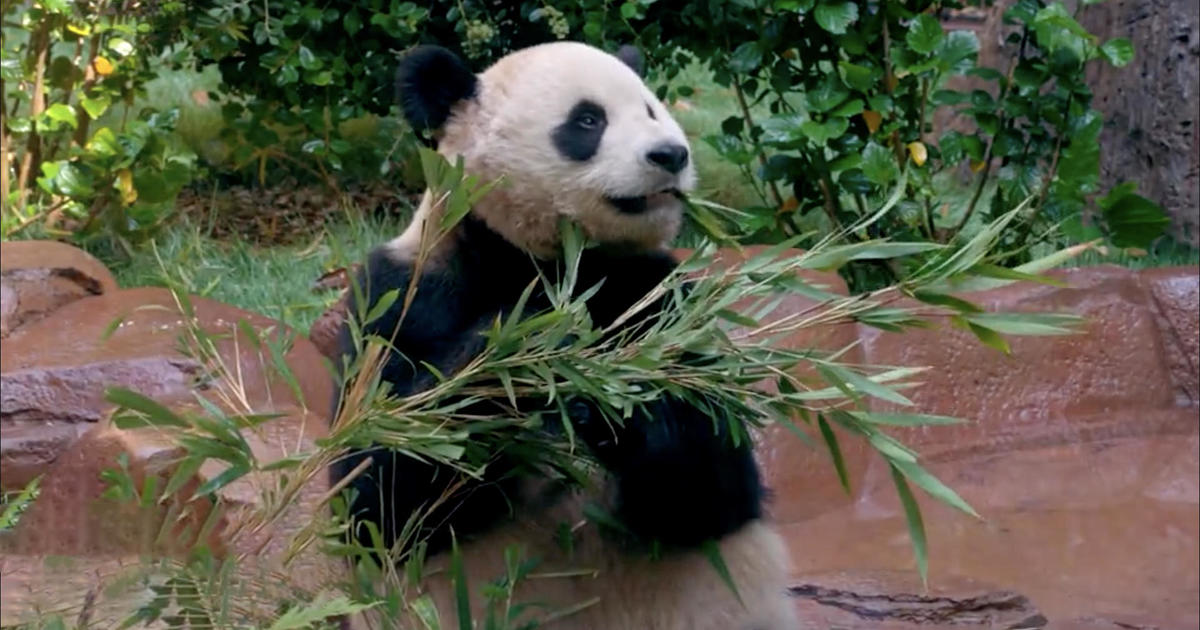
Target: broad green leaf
x,y
916,527
745,58
827,94
847,109
924,34
120,46
70,179
835,16
1133,220
879,164
858,77
308,60
352,22
103,143
95,107
820,133
62,114
957,51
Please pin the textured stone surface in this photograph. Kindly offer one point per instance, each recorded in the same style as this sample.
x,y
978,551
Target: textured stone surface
x,y
1049,388
1080,453
54,255
1176,292
54,372
72,540
895,600
38,277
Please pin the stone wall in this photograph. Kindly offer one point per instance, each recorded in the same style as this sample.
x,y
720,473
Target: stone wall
x,y
1081,453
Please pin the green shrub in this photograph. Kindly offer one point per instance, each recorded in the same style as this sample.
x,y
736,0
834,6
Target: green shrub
x,y
849,88
80,159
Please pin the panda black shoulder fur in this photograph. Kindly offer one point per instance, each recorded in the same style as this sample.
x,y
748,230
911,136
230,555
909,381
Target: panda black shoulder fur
x,y
573,131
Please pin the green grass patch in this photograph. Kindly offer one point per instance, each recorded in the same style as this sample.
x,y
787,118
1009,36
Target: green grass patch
x,y
273,281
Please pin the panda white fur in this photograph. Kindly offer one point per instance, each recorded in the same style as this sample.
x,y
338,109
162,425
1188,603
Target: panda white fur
x,y
574,131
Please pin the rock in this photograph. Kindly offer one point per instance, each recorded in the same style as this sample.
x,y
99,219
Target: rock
x,y
1051,389
1079,452
37,277
883,600
75,550
72,546
1175,292
53,373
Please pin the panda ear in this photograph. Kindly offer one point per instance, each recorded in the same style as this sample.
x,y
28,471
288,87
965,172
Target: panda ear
x,y
429,81
631,57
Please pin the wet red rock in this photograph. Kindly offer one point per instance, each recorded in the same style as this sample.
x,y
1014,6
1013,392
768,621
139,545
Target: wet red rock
x,y
1175,292
1081,454
53,372
38,277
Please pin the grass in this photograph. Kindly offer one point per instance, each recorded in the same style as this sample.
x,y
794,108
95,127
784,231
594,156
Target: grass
x,y
273,281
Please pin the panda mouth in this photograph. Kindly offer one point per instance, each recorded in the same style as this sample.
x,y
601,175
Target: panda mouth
x,y
640,204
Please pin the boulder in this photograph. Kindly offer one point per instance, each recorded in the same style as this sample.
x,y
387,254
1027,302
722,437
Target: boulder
x,y
38,277
78,547
75,549
1081,453
54,372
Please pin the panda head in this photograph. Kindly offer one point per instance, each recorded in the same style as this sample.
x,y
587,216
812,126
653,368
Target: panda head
x,y
571,129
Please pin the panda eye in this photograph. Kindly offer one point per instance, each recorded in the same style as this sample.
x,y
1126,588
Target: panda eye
x,y
587,121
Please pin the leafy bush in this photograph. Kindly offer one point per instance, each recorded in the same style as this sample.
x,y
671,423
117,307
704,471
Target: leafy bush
x,y
851,87
73,162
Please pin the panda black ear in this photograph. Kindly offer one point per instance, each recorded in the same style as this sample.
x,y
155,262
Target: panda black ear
x,y
631,57
429,81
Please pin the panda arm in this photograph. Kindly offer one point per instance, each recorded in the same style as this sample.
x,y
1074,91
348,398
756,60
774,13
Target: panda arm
x,y
680,477
440,328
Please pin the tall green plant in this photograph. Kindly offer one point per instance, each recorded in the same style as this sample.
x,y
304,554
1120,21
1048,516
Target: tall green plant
x,y
80,159
852,87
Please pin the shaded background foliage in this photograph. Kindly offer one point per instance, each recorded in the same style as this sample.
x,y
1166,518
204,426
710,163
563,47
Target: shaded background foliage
x,y
833,103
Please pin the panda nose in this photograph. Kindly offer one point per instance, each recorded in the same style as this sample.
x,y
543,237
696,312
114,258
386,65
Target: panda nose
x,y
669,156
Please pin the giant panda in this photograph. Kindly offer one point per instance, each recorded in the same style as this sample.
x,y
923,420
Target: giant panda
x,y
573,131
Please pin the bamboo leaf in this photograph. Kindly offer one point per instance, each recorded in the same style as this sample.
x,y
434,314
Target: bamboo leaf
x,y
835,452
155,414
713,553
932,485
916,527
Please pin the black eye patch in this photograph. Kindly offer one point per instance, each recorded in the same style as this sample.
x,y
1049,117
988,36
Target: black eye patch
x,y
578,137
